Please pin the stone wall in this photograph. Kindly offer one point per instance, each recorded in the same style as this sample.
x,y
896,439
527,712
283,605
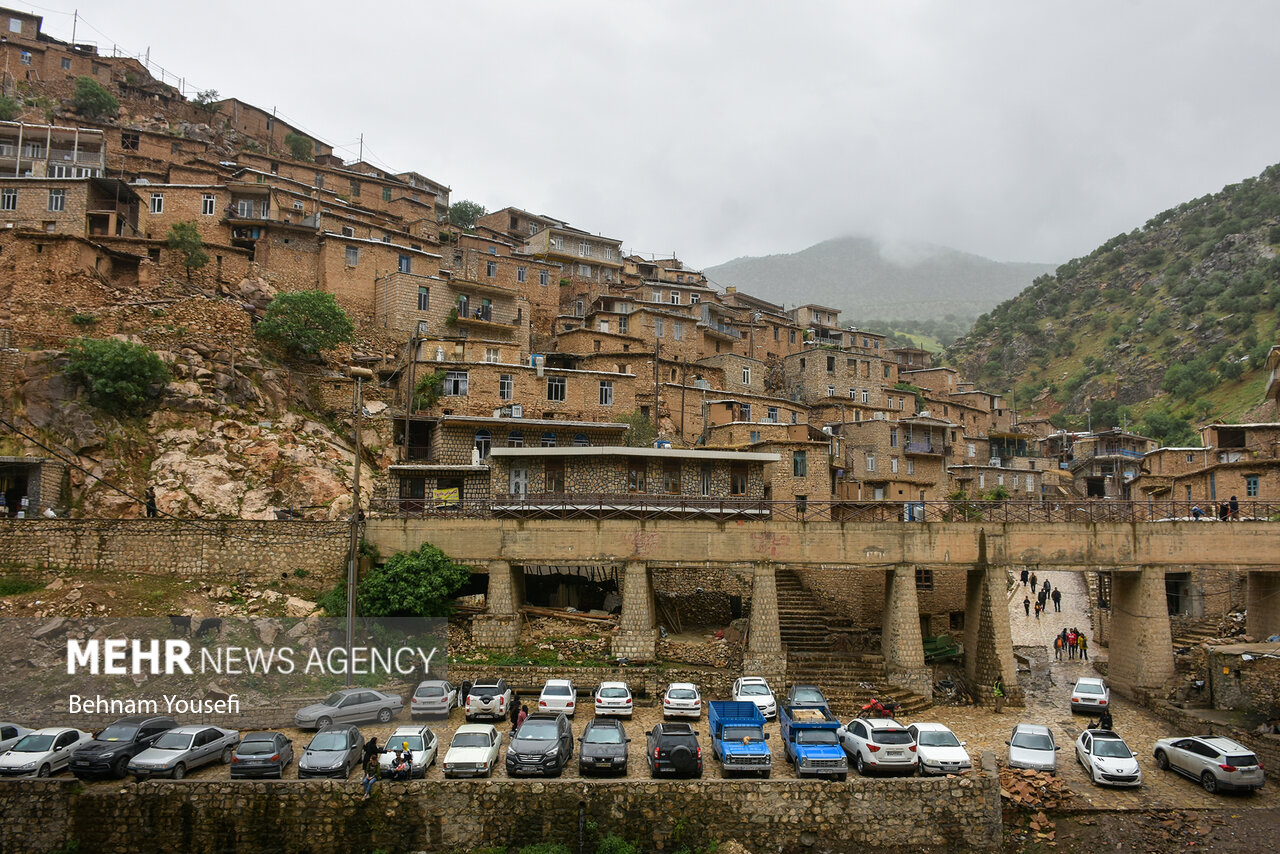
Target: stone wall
x,y
243,551
950,813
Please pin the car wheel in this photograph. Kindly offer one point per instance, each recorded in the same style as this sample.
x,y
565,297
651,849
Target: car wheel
x,y
227,753
384,715
119,769
179,771
860,765
840,778
323,722
43,772
1209,782
1162,760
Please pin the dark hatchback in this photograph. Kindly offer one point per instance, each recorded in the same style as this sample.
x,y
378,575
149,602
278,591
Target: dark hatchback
x,y
110,751
542,746
673,748
603,747
334,751
262,754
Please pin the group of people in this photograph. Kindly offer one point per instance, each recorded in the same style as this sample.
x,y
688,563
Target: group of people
x,y
1227,511
1044,595
401,765
1074,642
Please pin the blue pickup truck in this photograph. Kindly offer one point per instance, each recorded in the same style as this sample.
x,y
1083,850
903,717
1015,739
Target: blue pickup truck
x,y
738,739
810,737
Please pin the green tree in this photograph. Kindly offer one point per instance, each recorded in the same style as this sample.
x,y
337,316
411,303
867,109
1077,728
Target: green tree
x,y
464,214
640,430
185,238
206,100
412,584
301,147
305,322
9,109
119,377
91,99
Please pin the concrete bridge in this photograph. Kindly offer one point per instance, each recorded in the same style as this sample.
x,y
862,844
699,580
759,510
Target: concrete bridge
x,y
1137,554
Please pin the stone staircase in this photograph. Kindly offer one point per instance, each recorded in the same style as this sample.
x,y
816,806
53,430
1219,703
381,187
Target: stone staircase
x,y
807,628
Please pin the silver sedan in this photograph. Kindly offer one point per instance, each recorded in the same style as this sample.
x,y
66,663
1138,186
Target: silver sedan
x,y
177,751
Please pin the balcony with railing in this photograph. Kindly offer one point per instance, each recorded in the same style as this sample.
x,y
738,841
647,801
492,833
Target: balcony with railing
x,y
925,446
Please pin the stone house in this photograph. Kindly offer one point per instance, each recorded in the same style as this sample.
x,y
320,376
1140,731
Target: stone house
x,y
1104,464
771,331
1241,460
264,126
582,257
31,485
803,472
51,151
83,207
539,390
821,375
902,460
821,324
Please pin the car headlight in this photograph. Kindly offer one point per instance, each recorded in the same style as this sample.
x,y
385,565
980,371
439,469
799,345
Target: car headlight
x,y
552,750
30,766
806,761
511,753
108,755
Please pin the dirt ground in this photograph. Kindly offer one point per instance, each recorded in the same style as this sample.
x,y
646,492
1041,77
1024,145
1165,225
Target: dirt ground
x,y
1228,830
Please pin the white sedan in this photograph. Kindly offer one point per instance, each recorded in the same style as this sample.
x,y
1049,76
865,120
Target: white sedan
x,y
614,698
420,741
682,700
473,751
753,689
939,750
42,752
1107,759
9,735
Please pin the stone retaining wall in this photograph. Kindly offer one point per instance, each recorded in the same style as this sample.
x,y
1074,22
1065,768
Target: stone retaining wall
x,y
943,814
222,551
646,683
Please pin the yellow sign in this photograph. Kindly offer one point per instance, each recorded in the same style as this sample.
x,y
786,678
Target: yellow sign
x,y
446,496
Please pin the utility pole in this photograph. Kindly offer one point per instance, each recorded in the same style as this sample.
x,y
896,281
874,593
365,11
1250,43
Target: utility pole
x,y
75,19
657,348
359,375
361,157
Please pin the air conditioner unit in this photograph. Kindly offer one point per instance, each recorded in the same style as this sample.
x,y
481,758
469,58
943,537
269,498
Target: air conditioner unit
x,y
827,430
422,327
538,363
995,461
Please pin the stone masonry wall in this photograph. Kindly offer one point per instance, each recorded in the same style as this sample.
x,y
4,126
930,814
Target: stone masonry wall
x,y
955,813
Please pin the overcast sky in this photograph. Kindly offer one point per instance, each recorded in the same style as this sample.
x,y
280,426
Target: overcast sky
x,y
1028,131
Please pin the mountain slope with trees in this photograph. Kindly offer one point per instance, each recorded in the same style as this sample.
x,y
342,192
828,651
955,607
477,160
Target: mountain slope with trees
x,y
1159,329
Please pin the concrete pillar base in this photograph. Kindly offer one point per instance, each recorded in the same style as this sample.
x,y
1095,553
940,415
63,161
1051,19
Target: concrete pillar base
x,y
772,666
988,643
496,631
1141,648
637,638
499,627
764,655
901,643
1263,603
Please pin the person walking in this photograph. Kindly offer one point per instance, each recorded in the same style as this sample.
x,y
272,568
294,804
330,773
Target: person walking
x,y
1033,582
1224,511
1084,647
1071,644
1057,600
524,713
1026,603
1046,587
515,716
1234,506
1057,647
1039,608
997,693
1024,578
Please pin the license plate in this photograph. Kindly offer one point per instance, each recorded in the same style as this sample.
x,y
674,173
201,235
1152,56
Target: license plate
x,y
895,753
604,761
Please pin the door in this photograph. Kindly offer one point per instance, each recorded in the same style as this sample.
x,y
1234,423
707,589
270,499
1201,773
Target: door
x,y
62,751
348,709
879,494
519,482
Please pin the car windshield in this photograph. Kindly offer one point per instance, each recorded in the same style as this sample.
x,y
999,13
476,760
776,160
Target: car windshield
x,y
604,735
815,736
430,691
470,739
738,733
890,736
1086,688
1111,747
538,730
329,741
333,699
930,738
613,693
33,744
754,690
808,695
398,742
682,694
1033,741
556,691
118,732
256,747
174,741
485,688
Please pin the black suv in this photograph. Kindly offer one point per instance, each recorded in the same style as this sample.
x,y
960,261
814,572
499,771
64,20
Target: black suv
x,y
543,745
604,747
674,748
109,753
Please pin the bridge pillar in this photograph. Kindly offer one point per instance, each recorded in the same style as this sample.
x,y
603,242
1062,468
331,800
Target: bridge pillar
x,y
499,626
901,642
637,639
1263,602
764,655
1141,642
988,642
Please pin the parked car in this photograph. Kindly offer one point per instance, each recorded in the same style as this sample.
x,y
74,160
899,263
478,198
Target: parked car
x,y
614,698
806,695
811,741
682,700
108,754
334,751
1217,762
262,754
1107,759
753,689
473,751
9,735
42,752
879,745
558,697
543,745
603,747
434,698
488,698
348,706
939,750
1032,746
673,748
422,749
1090,696
179,750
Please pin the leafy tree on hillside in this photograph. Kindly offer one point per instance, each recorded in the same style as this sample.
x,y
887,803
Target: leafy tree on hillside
x,y
412,584
206,100
301,147
9,109
305,322
464,214
119,377
640,430
185,238
92,100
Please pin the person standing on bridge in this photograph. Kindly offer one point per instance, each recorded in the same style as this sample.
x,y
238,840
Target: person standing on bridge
x,y
1024,578
1057,600
1235,509
1026,603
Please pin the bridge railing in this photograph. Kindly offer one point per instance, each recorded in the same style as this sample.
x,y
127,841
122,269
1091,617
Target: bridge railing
x,y
660,506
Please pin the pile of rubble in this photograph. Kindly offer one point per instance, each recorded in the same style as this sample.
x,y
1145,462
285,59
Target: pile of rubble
x,y
712,652
1036,790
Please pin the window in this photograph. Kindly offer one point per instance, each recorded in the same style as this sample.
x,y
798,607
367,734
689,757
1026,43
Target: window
x,y
675,297
871,462
866,396
831,391
353,256
544,277
924,578
893,465
207,203
348,231
515,439
671,477
606,392
800,463
831,364
8,199
493,250
746,412
157,203
556,389
746,375
738,479
548,439
1015,482
677,330
584,249
580,440
1030,483
15,25
973,451
911,466
893,437
57,200
505,387
484,441
773,415
886,372
320,180
424,298
520,274
491,268
554,470
26,57
755,436
244,208
355,187
622,325
659,328
982,481
853,394
579,308
492,354
636,476
557,243
386,194
57,170
694,299
455,383
584,270
1251,486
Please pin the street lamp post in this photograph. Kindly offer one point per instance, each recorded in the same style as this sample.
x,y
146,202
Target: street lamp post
x,y
359,375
